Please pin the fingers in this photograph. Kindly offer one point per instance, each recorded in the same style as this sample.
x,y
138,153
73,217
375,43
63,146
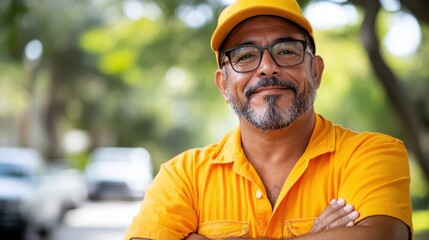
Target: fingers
x,y
339,214
336,214
332,208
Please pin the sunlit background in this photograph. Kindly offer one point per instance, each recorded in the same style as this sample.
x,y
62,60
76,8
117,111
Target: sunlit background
x,y
80,75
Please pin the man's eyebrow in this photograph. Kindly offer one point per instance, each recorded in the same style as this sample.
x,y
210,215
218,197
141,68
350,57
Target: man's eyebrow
x,y
246,43
282,39
287,39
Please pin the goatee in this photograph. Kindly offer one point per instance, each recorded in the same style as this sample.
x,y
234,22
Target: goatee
x,y
273,117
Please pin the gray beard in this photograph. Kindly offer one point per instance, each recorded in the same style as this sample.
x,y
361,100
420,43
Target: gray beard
x,y
274,117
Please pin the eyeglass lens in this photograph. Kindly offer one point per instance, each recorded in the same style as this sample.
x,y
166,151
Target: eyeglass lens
x,y
248,57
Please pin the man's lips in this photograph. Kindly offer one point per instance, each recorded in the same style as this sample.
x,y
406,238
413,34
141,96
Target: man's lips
x,y
271,84
271,89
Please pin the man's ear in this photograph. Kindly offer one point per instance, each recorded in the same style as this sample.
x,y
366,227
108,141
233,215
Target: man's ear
x,y
220,79
318,67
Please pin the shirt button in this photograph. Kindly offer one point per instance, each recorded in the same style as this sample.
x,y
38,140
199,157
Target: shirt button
x,y
258,194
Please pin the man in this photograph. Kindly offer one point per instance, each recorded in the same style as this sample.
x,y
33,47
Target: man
x,y
275,175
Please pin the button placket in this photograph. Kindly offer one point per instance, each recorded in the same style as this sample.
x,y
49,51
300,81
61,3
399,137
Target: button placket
x,y
258,194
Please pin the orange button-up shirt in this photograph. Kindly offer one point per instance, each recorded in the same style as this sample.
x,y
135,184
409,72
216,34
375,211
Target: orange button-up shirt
x,y
216,192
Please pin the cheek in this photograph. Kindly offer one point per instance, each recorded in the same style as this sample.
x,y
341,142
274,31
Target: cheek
x,y
238,83
307,80
308,84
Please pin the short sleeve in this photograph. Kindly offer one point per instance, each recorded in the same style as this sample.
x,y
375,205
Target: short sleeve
x,y
166,211
376,179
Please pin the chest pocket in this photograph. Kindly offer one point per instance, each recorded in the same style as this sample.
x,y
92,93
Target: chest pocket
x,y
298,227
223,229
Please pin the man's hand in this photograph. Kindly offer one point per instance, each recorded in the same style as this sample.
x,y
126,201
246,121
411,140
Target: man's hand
x,y
336,214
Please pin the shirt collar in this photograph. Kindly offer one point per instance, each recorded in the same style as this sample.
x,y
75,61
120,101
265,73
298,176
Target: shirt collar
x,y
322,140
229,148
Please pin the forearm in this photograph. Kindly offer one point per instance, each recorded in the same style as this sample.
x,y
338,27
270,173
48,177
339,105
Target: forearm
x,y
349,233
374,228
333,224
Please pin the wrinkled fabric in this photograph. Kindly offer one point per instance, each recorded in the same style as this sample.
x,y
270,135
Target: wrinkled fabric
x,y
216,192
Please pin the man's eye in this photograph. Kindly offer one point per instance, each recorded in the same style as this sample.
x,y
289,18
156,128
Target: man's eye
x,y
245,57
287,52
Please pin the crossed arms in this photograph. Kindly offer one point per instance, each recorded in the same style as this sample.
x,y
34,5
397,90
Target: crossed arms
x,y
337,222
377,187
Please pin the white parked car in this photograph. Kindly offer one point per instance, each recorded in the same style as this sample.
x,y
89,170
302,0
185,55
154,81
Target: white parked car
x,y
33,196
118,173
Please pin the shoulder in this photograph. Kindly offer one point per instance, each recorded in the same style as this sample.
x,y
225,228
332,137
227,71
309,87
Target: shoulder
x,y
355,139
346,145
339,140
197,158
370,150
191,157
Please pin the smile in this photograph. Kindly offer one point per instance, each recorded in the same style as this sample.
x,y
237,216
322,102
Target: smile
x,y
271,85
271,89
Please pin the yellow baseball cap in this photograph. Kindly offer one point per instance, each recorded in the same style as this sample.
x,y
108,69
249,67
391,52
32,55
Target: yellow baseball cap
x,y
241,10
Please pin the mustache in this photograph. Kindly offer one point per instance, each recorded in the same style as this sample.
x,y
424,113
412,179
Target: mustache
x,y
271,82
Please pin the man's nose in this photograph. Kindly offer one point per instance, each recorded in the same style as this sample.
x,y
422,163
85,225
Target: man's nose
x,y
268,66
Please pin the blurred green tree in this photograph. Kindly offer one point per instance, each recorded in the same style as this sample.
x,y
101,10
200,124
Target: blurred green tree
x,y
140,73
411,112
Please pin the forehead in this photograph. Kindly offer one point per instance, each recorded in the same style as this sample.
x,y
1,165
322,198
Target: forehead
x,y
262,30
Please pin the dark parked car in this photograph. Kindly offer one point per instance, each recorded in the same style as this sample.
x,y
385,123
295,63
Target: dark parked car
x,y
118,173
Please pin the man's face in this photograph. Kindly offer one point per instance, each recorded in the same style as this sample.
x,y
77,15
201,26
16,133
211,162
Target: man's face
x,y
270,97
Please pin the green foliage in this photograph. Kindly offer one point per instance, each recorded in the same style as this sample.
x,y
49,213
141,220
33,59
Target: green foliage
x,y
11,13
350,94
414,74
166,73
419,187
78,160
420,222
12,87
150,83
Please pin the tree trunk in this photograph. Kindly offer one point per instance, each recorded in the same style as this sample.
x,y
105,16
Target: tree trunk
x,y
25,122
54,109
417,131
418,7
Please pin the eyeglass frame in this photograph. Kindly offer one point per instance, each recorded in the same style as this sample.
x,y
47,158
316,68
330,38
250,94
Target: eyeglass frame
x,y
227,53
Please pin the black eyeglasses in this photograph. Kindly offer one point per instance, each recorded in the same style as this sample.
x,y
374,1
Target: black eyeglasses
x,y
247,58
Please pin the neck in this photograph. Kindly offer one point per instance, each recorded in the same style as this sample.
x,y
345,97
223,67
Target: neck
x,y
273,154
277,146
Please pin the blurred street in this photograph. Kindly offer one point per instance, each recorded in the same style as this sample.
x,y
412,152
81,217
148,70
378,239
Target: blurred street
x,y
105,220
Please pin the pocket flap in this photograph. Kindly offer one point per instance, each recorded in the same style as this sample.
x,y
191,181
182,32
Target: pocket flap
x,y
298,227
223,229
